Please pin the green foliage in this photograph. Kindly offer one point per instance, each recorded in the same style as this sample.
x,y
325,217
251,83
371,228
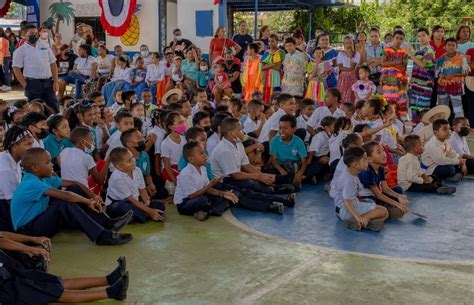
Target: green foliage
x,y
16,11
49,23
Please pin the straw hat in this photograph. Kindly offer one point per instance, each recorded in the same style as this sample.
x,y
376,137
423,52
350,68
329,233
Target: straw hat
x,y
470,83
164,100
436,110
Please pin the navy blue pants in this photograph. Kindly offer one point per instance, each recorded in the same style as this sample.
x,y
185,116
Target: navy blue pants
x,y
5,216
42,89
445,171
214,205
396,189
248,198
61,214
118,208
253,185
316,169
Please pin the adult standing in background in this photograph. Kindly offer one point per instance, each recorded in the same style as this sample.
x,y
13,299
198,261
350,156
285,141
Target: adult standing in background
x,y
180,45
330,56
40,73
220,43
439,46
265,36
5,59
463,37
373,51
313,43
243,39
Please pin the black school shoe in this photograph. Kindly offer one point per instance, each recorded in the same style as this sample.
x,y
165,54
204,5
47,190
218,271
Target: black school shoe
x,y
290,201
284,189
117,224
277,208
201,215
446,190
111,238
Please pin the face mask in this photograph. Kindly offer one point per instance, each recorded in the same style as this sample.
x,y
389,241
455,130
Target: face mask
x,y
140,146
181,129
464,132
229,62
178,37
207,129
144,53
32,39
43,134
44,35
203,68
90,150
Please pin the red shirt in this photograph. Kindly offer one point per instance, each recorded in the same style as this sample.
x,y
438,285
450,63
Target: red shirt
x,y
439,51
218,45
470,57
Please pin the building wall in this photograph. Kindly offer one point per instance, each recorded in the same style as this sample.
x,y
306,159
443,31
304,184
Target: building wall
x,y
90,8
171,19
187,20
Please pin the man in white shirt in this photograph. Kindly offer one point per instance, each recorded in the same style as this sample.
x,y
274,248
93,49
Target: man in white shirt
x,y
40,73
17,141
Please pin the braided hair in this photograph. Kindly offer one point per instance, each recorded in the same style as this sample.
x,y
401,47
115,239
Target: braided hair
x,y
12,136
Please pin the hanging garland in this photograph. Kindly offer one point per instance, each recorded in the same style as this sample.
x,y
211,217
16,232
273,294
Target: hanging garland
x,y
116,15
4,7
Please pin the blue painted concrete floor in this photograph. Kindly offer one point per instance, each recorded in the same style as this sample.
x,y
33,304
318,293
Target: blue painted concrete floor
x,y
446,234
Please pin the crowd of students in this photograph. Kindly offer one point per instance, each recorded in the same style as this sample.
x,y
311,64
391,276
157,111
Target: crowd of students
x,y
124,154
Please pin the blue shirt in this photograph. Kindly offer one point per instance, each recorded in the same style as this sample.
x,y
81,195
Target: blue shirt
x,y
182,164
203,78
29,199
143,163
295,150
370,178
55,146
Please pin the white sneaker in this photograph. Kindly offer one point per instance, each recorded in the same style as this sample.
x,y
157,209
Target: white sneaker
x,y
5,88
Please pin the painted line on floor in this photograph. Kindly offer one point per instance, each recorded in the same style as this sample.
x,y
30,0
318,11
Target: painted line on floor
x,y
228,216
279,281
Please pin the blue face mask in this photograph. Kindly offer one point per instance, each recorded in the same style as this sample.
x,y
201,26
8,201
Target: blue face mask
x,y
89,150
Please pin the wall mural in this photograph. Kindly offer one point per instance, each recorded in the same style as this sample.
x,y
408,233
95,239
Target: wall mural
x,y
61,12
118,19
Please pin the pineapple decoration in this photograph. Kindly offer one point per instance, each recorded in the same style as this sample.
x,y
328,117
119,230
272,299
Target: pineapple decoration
x,y
116,15
131,36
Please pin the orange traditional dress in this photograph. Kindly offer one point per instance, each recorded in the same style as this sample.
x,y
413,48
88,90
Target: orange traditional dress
x,y
251,77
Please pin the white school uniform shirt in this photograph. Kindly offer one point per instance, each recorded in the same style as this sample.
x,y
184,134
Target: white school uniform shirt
x,y
99,137
272,124
322,112
76,165
459,144
212,142
390,136
104,64
319,144
250,125
190,180
124,74
37,143
302,123
335,145
10,175
418,128
35,60
84,65
113,142
121,186
155,73
228,158
172,150
160,134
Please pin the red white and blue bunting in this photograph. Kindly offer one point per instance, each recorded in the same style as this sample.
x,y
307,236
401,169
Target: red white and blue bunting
x,y
116,15
4,7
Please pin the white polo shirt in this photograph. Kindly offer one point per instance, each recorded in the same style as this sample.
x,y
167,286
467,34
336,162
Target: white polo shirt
x,y
37,143
459,144
122,74
113,142
250,125
35,60
10,175
190,180
212,142
121,186
228,158
172,150
76,164
272,124
84,65
319,144
322,112
155,73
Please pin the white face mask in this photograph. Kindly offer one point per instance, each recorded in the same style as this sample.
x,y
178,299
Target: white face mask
x,y
178,37
203,68
89,150
144,53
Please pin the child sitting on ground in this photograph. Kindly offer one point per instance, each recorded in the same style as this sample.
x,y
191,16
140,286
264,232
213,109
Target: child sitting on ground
x,y
21,283
440,159
332,99
410,176
194,194
127,187
123,122
318,158
255,120
354,213
358,117
458,141
33,214
375,184
199,135
133,140
307,110
438,112
78,163
172,145
288,152
348,108
58,139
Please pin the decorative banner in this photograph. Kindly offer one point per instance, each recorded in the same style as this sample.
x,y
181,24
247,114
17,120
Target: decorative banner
x,y
217,2
117,15
4,7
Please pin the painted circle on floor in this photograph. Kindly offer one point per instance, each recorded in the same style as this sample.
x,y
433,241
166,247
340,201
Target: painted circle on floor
x,y
447,232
